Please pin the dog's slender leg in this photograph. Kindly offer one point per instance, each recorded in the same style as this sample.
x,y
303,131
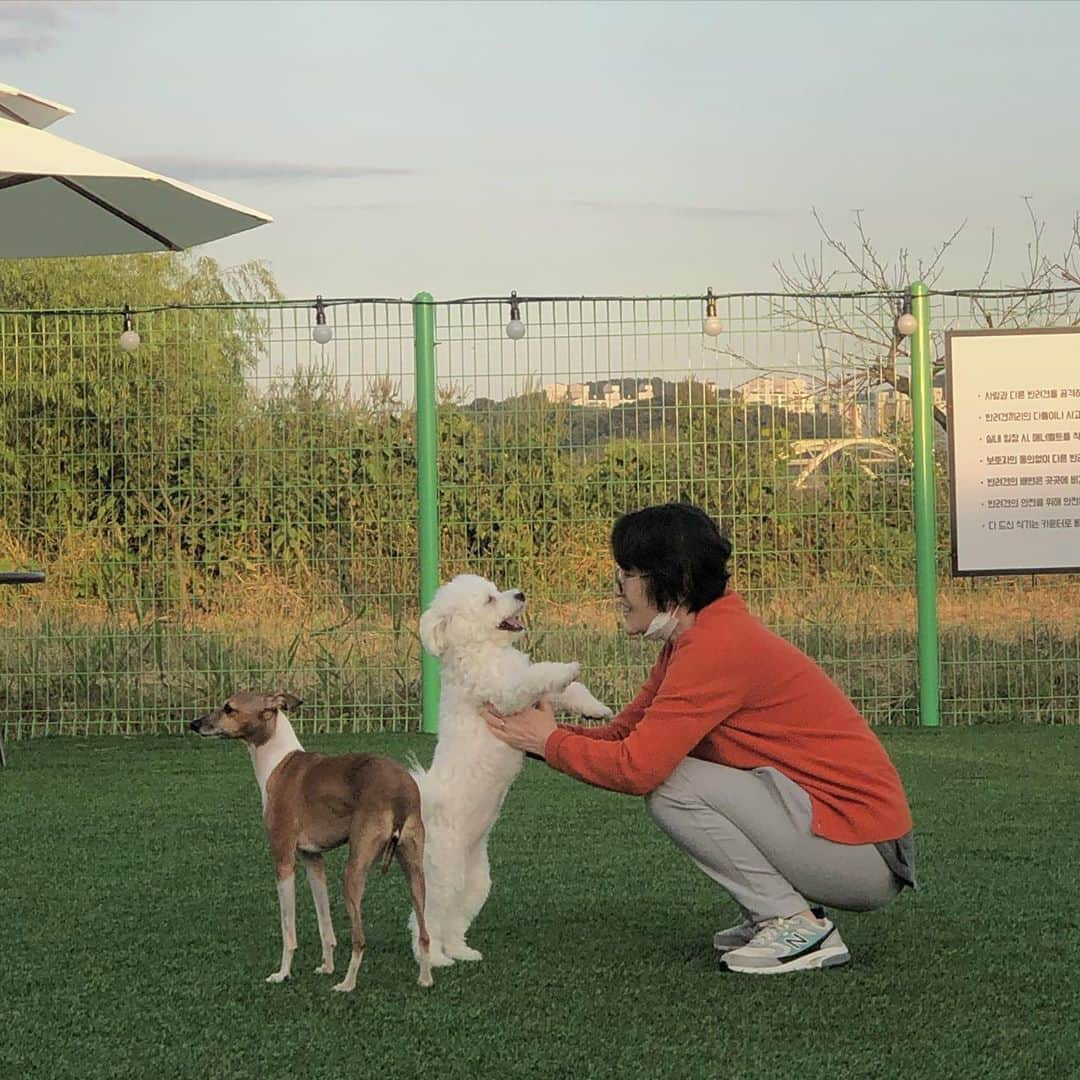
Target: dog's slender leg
x,y
444,882
473,898
316,875
286,887
365,846
410,854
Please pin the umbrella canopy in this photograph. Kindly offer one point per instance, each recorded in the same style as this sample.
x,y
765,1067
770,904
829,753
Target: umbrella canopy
x,y
24,108
59,198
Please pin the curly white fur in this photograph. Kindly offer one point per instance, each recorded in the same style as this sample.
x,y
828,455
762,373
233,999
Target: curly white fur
x,y
471,626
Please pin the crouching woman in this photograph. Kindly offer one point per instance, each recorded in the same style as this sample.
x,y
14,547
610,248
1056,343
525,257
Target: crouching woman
x,y
749,757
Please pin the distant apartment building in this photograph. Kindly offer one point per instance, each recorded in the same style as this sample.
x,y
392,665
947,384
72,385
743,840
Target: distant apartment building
x,y
601,395
787,392
879,411
889,409
567,393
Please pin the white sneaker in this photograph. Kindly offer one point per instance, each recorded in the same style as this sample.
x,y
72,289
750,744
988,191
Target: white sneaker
x,y
734,937
795,944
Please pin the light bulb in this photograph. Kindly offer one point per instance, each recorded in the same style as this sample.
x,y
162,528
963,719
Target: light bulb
x,y
129,338
711,324
320,331
907,324
515,328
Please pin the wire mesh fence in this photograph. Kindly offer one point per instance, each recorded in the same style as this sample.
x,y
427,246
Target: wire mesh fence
x,y
230,505
235,505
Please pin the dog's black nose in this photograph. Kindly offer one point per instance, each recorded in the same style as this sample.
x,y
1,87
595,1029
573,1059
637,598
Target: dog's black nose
x,y
196,725
519,595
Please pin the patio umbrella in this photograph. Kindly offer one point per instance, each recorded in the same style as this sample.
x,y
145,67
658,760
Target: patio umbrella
x,y
24,108
60,198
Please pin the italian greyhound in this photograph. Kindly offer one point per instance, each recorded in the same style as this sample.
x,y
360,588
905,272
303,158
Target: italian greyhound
x,y
313,803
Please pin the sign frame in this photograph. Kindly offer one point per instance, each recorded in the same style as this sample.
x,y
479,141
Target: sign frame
x,y
950,405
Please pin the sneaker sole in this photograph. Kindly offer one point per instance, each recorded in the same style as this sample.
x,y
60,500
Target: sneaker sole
x,y
823,958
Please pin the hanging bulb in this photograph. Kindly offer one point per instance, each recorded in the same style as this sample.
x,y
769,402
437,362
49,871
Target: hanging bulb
x,y
322,333
515,328
129,339
906,323
712,324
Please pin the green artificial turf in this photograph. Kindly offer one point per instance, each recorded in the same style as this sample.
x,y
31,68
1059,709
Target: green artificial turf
x,y
138,919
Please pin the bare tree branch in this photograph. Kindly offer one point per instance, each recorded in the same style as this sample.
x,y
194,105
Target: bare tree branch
x,y
855,342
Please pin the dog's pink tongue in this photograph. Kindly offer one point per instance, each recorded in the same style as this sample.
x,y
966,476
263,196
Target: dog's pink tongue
x,y
512,624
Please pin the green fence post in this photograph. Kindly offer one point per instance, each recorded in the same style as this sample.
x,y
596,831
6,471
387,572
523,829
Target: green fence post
x,y
922,409
427,482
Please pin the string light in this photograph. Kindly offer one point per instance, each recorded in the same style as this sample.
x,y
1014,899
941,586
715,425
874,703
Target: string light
x,y
515,328
321,332
129,339
712,324
906,324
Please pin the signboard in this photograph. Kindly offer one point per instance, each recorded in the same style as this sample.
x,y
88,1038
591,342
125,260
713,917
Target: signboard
x,y
1014,450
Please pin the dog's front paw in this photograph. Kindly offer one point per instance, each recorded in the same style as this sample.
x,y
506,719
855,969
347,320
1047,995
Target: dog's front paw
x,y
325,969
577,699
568,674
345,986
277,977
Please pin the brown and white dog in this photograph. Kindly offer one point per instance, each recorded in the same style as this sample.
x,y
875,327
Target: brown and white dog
x,y
315,802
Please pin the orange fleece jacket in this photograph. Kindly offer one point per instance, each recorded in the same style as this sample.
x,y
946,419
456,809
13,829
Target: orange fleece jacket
x,y
729,690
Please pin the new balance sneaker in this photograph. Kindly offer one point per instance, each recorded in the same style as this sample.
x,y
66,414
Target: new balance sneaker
x,y
795,944
734,937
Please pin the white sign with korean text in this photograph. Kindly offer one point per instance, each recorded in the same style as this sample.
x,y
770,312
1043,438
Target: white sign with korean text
x,y
1014,450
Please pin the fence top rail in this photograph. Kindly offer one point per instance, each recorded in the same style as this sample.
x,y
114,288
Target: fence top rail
x,y
893,295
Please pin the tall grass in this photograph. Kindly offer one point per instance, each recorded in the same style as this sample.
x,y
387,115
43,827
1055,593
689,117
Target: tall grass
x,y
78,668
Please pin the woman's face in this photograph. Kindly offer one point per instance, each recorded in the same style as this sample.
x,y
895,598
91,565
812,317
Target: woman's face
x,y
636,610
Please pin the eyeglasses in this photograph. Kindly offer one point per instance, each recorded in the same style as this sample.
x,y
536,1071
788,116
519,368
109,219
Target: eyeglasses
x,y
621,577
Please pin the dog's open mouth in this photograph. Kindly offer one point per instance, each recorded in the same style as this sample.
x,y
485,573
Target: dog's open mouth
x,y
514,626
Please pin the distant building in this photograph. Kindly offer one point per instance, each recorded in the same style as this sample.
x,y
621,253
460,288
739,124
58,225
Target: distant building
x,y
790,393
602,395
567,393
889,409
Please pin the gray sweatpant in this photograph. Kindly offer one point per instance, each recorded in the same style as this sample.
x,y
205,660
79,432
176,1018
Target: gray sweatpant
x,y
749,830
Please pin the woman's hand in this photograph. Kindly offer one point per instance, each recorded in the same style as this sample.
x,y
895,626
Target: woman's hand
x,y
527,730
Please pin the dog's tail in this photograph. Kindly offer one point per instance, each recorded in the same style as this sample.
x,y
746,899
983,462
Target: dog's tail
x,y
416,770
391,847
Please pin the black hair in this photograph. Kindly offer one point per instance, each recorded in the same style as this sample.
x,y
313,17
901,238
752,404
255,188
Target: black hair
x,y
679,551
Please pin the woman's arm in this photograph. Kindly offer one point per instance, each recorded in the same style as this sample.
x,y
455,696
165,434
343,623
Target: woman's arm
x,y
697,694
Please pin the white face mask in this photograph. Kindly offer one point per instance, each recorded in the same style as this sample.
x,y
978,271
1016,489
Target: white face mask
x,y
662,626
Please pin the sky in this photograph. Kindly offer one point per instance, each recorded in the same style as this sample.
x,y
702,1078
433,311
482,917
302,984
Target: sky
x,y
578,148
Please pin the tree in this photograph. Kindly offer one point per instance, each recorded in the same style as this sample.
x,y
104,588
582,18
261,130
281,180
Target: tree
x,y
113,446
848,305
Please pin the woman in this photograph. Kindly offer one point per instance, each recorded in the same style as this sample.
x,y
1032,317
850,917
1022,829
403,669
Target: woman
x,y
751,759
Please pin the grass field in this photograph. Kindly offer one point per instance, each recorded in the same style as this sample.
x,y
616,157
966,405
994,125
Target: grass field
x,y
138,919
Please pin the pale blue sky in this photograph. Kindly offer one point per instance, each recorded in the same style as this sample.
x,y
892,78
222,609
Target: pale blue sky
x,y
576,148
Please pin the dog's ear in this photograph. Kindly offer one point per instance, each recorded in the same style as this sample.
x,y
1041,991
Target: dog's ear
x,y
284,701
433,631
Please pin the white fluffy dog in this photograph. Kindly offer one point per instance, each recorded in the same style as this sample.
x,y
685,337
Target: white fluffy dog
x,y
472,626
